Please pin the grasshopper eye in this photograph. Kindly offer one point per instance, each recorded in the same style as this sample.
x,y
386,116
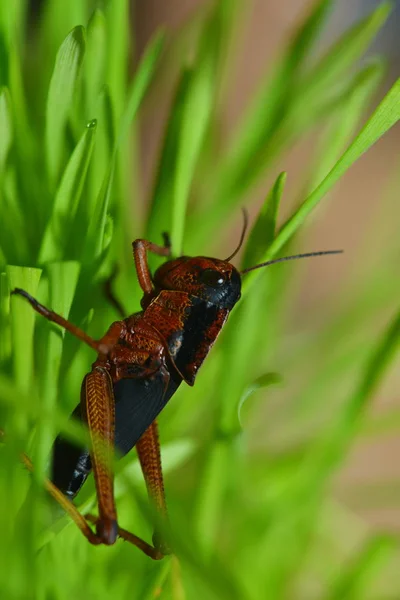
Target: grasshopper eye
x,y
212,278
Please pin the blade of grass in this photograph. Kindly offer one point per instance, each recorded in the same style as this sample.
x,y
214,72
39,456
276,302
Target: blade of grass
x,y
198,102
5,338
271,102
345,53
118,35
12,20
5,127
139,86
63,278
162,196
263,230
386,115
67,198
59,101
22,324
342,127
294,110
95,60
29,407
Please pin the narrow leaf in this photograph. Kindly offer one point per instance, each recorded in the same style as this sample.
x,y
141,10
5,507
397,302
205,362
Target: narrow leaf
x,y
67,198
5,126
162,197
141,81
95,61
63,277
343,125
263,230
386,115
22,323
344,53
59,101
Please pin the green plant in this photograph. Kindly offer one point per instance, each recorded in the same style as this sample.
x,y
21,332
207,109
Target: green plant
x,y
248,522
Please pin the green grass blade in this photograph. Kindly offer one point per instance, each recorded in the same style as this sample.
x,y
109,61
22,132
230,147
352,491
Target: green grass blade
x,y
12,20
263,230
95,61
95,238
345,53
118,35
62,278
5,338
140,84
22,324
67,198
386,115
198,102
271,104
5,127
59,101
289,106
162,197
102,151
343,126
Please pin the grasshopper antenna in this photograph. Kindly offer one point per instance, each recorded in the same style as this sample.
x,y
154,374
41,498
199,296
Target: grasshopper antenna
x,y
244,229
294,257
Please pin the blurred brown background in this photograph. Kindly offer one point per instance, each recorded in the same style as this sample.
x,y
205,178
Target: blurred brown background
x,y
265,28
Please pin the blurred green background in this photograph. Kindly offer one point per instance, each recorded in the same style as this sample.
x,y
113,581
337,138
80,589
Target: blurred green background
x,y
280,463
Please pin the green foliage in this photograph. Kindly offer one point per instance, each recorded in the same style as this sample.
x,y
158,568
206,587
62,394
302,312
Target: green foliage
x,y
249,520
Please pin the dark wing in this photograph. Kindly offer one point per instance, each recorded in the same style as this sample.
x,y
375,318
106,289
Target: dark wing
x,y
137,404
71,464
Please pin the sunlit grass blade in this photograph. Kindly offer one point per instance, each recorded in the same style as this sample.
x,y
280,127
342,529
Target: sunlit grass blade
x,y
29,408
342,128
95,60
5,338
197,102
102,151
162,197
67,198
62,279
290,107
140,84
385,116
12,20
5,127
336,137
118,35
22,323
345,53
270,104
58,18
263,230
61,92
